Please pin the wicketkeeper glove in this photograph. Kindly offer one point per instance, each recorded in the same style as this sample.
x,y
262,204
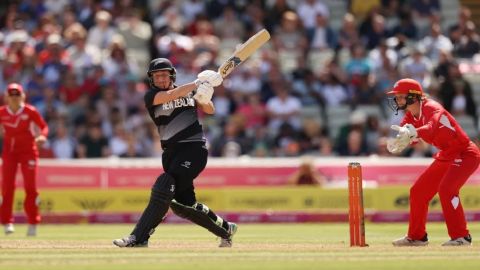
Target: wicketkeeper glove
x,y
407,130
210,76
398,144
405,136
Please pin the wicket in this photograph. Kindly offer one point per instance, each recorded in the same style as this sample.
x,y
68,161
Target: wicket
x,y
356,215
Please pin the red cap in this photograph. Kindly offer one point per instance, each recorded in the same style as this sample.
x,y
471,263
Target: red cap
x,y
14,89
406,86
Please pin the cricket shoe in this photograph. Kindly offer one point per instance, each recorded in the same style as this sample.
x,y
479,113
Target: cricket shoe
x,y
32,230
9,229
228,242
129,241
461,241
408,242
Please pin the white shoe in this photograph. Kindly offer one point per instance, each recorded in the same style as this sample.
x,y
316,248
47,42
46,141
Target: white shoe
x,y
408,242
227,242
9,229
129,241
461,241
32,230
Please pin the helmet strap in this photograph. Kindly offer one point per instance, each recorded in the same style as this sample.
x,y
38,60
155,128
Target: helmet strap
x,y
172,82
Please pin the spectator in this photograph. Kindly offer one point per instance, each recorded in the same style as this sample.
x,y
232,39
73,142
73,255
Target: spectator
x,y
351,137
289,36
286,142
307,174
70,90
117,65
441,71
132,150
323,35
224,103
19,55
406,28
275,12
102,33
435,43
348,34
359,65
469,43
456,94
245,82
309,11
235,31
232,140
310,137
333,92
137,35
378,54
119,142
254,112
375,32
82,55
93,144
262,143
417,66
464,16
283,108
204,40
63,145
308,89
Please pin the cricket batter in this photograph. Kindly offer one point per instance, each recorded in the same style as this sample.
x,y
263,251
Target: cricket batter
x,y
20,147
174,110
456,160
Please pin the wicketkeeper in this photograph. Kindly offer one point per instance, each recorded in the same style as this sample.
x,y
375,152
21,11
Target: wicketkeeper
x,y
174,110
456,160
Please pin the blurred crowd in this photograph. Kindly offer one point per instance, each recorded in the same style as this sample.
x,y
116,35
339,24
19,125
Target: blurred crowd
x,y
83,64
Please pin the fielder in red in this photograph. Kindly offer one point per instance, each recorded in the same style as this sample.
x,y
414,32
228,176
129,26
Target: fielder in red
x,y
456,160
20,147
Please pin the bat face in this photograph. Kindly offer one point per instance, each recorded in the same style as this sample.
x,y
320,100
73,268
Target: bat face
x,y
243,52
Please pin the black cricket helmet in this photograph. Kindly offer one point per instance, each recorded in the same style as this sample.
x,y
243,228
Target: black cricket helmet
x,y
161,64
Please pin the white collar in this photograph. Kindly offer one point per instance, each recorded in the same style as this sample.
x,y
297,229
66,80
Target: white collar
x,y
20,110
420,115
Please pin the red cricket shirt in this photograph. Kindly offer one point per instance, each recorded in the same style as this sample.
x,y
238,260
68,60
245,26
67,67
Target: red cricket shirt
x,y
19,128
436,126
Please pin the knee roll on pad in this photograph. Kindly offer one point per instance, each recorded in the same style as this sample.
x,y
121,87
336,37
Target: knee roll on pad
x,y
165,184
163,191
199,214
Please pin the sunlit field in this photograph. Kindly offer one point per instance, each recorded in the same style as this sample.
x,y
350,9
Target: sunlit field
x,y
279,246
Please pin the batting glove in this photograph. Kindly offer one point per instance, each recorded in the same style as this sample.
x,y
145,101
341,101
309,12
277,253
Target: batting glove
x,y
210,76
204,93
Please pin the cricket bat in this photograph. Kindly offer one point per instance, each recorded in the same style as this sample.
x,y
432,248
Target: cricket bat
x,y
244,51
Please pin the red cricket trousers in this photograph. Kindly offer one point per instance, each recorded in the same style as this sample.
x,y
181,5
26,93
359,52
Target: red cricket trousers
x,y
446,178
28,164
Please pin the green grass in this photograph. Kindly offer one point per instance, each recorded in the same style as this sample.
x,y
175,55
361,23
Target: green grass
x,y
284,246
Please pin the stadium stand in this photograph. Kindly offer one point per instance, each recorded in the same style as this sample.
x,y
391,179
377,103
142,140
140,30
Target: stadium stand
x,y
82,63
